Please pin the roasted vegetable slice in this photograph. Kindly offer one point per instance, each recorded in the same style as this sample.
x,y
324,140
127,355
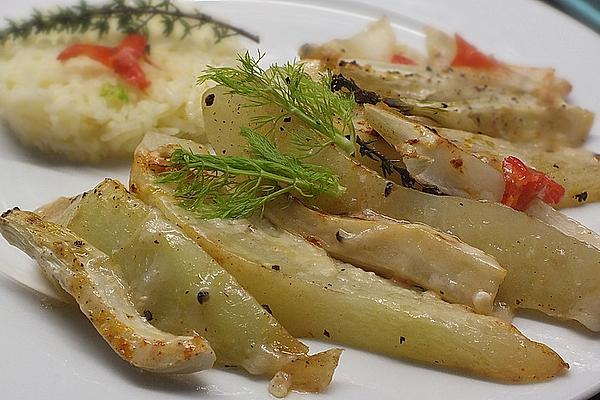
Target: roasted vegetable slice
x,y
454,99
377,45
376,42
547,270
413,253
315,296
578,170
182,288
95,282
433,159
443,51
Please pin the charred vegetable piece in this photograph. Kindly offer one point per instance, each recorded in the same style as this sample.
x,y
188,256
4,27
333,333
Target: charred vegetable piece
x,y
548,270
413,253
95,282
315,296
182,287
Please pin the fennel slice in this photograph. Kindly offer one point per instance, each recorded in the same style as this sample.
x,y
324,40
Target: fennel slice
x,y
547,270
93,280
315,296
413,253
168,272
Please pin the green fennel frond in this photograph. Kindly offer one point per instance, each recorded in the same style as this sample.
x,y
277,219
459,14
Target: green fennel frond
x,y
126,17
235,187
327,116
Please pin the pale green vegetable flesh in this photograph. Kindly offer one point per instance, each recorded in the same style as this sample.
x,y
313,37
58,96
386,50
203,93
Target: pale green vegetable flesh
x,y
181,286
95,282
547,270
413,253
315,296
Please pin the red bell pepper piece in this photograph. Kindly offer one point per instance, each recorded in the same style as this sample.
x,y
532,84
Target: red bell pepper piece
x,y
400,59
124,59
468,55
523,184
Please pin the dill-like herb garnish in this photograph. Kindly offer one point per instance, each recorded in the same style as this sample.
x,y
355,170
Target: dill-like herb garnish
x,y
127,18
235,187
326,115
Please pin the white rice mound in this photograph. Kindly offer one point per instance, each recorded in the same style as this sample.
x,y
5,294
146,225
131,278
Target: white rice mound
x,y
58,108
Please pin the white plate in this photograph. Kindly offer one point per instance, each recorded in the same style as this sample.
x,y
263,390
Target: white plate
x,y
53,352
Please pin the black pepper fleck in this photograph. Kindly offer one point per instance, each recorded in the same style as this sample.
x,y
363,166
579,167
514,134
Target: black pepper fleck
x,y
342,235
209,100
202,296
275,267
388,189
148,315
267,308
581,197
402,339
326,333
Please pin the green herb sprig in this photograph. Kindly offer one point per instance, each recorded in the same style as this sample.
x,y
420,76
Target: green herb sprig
x,y
235,187
126,17
327,115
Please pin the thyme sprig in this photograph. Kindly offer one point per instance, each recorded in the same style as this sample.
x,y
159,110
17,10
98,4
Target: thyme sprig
x,y
389,167
125,16
327,115
215,186
403,105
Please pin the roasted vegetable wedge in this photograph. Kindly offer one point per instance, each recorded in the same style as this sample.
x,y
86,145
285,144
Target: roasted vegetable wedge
x,y
577,170
182,288
547,270
315,296
95,282
451,100
442,50
376,41
458,86
413,253
433,159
